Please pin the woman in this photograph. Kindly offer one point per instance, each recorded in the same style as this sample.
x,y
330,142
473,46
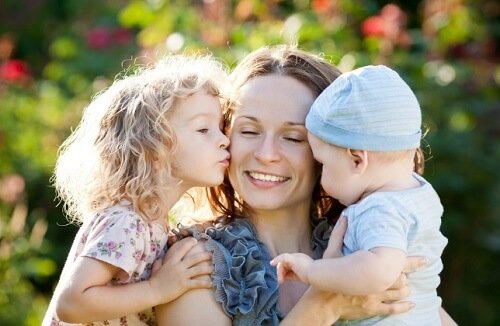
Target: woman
x,y
270,204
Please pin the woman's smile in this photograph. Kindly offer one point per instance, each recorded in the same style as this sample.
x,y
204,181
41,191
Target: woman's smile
x,y
265,180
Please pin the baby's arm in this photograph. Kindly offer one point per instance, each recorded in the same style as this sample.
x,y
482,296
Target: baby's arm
x,y
86,294
363,272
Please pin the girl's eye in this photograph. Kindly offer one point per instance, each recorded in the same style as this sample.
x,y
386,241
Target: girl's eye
x,y
203,130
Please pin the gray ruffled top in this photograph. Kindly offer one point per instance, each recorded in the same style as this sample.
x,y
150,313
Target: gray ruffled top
x,y
244,282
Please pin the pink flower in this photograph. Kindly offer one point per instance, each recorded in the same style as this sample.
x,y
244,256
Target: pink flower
x,y
14,71
373,26
121,36
12,188
99,38
112,246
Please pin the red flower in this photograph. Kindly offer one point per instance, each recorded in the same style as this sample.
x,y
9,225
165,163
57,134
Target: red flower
x,y
14,71
321,5
373,26
99,38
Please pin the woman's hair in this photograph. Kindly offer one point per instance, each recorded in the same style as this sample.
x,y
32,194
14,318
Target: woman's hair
x,y
312,71
122,149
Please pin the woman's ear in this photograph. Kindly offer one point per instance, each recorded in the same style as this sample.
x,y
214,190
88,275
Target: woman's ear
x,y
359,159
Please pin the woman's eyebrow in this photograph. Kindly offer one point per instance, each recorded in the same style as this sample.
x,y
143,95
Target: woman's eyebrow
x,y
247,117
290,123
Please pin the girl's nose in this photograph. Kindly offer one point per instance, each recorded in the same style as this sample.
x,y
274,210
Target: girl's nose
x,y
224,141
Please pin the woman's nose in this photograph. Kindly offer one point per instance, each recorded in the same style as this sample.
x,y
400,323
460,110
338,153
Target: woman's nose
x,y
268,150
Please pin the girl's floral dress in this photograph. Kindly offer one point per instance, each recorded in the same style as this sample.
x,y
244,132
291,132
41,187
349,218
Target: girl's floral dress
x,y
118,236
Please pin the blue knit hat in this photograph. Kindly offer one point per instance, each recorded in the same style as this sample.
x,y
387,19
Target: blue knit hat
x,y
370,108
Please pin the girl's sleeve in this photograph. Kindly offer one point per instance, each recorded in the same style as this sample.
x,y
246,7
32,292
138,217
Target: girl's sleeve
x,y
117,237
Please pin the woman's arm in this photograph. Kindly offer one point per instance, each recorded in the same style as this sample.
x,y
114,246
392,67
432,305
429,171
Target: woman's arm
x,y
195,307
446,319
310,310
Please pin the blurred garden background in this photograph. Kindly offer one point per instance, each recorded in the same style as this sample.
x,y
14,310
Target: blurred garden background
x,y
54,54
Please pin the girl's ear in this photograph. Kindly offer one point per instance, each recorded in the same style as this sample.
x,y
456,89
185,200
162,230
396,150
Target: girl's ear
x,y
359,159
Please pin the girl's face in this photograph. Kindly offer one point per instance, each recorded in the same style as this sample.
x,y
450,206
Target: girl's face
x,y
201,156
272,166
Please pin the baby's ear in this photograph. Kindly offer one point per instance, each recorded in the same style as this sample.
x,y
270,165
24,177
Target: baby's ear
x,y
359,159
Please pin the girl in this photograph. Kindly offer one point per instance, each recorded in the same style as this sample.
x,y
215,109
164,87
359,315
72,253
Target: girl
x,y
136,151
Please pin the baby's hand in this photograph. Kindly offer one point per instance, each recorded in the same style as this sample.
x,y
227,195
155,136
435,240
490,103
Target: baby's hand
x,y
292,267
181,272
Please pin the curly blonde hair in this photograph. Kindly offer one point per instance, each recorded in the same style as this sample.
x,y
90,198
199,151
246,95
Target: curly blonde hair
x,y
122,149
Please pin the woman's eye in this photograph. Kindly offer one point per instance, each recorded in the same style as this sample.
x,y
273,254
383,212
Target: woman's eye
x,y
248,132
294,139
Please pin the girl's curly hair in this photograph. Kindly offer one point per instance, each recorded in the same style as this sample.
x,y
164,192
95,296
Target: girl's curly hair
x,y
122,149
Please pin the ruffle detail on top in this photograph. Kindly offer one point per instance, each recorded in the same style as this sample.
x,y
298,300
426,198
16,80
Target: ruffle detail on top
x,y
245,283
320,236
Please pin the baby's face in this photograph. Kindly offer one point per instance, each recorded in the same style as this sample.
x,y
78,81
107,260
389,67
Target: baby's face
x,y
338,176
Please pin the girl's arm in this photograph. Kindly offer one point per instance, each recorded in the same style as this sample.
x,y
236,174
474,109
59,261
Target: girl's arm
x,y
85,294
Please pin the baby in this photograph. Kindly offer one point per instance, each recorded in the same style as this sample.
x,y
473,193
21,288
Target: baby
x,y
365,130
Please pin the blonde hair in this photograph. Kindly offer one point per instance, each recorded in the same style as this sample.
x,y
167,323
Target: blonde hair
x,y
122,149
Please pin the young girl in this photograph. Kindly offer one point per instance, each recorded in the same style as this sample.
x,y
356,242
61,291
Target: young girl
x,y
140,145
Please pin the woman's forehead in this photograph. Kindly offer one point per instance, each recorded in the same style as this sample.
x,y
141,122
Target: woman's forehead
x,y
274,95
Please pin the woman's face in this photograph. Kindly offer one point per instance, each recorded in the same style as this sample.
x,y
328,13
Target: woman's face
x,y
272,166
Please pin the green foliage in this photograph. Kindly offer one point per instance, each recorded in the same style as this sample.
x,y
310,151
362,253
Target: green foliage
x,y
55,54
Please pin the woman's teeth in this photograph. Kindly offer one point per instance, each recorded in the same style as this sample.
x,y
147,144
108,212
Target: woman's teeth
x,y
266,177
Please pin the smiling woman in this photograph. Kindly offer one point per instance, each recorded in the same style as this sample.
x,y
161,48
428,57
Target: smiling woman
x,y
272,165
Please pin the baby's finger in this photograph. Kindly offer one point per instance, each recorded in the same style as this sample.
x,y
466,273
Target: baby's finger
x,y
180,249
276,260
281,272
